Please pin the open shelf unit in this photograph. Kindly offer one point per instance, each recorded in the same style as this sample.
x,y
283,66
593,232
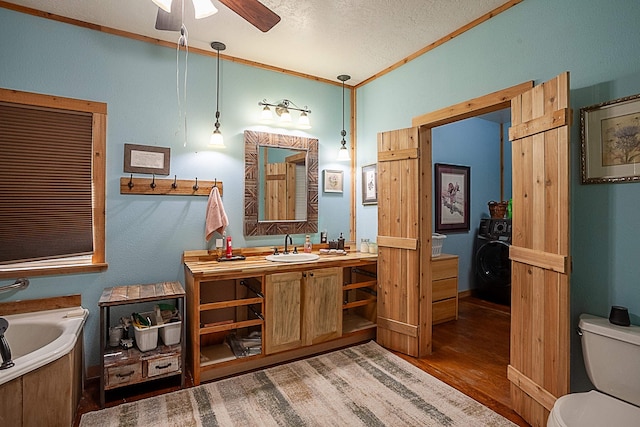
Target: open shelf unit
x,y
359,298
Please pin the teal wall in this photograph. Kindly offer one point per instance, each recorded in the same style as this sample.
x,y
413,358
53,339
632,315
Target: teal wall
x,y
536,40
146,235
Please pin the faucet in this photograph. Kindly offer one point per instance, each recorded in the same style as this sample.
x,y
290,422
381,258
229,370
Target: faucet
x,y
286,250
5,351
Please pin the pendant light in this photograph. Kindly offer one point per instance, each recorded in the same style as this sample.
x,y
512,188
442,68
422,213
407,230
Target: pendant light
x,y
216,136
343,152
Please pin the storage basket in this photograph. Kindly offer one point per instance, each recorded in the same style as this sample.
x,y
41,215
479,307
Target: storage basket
x,y
170,333
146,338
436,244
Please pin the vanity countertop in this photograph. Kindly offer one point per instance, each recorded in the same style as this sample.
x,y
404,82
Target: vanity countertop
x,y
259,265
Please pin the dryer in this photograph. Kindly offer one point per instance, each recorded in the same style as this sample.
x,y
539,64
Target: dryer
x,y
492,264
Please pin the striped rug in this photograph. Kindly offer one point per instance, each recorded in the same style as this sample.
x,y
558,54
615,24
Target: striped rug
x,y
364,385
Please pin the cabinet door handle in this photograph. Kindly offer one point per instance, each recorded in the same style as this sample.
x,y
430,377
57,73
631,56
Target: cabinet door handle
x,y
163,366
311,274
304,274
125,375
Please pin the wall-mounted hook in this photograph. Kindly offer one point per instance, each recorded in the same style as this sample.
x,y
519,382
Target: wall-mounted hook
x,y
130,184
153,181
195,186
175,182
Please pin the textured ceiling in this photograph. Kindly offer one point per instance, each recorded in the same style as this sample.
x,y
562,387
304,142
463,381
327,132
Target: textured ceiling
x,y
322,38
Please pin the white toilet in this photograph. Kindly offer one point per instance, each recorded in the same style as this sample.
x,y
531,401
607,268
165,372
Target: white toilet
x,y
612,358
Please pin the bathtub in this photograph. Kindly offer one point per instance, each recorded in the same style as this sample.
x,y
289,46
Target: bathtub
x,y
39,338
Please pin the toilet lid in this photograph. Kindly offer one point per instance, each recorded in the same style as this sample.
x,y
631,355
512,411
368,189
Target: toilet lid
x,y
593,409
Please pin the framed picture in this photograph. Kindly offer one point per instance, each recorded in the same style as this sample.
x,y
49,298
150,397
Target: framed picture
x,y
370,184
610,134
453,185
146,159
332,181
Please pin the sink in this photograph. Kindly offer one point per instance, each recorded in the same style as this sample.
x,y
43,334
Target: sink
x,y
290,257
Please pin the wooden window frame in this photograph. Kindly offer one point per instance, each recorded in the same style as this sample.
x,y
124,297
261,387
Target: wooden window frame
x,y
98,110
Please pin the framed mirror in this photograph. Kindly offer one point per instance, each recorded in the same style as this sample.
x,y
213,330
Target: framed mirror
x,y
280,184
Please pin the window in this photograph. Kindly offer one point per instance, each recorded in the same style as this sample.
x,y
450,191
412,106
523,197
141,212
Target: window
x,y
52,184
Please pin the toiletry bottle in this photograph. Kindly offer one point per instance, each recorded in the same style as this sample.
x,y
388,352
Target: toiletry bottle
x,y
229,247
323,236
307,245
340,242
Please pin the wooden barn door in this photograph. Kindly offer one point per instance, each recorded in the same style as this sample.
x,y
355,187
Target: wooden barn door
x,y
540,317
404,291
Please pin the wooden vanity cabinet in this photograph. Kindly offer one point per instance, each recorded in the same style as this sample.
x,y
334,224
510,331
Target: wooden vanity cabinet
x,y
297,310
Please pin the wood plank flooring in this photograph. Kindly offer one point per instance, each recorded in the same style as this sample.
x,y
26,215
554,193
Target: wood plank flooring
x,y
470,354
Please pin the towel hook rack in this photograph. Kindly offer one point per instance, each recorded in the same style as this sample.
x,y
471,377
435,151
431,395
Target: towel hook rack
x,y
153,181
174,185
130,184
195,186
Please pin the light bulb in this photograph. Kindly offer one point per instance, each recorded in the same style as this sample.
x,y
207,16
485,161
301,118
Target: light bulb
x,y
267,114
303,121
285,117
343,153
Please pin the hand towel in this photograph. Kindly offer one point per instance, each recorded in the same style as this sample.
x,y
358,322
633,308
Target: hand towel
x,y
216,219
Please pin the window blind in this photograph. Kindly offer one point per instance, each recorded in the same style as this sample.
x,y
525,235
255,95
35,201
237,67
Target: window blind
x,y
45,183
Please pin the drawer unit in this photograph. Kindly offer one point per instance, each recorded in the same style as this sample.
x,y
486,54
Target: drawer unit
x,y
444,293
118,376
161,366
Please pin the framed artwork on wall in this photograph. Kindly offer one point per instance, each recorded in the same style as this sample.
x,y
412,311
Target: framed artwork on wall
x,y
610,134
370,184
333,181
146,159
452,196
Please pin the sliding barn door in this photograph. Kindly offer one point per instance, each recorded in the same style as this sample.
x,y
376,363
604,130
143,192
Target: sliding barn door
x,y
404,290
540,318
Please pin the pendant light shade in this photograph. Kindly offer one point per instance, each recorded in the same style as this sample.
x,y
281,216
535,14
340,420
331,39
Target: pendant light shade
x,y
343,152
216,137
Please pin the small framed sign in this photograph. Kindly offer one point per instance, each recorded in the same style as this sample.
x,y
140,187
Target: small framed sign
x,y
146,159
370,184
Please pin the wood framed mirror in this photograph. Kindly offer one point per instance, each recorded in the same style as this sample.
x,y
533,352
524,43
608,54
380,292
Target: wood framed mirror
x,y
276,199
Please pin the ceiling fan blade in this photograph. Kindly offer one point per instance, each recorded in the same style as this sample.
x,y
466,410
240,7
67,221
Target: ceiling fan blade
x,y
170,21
254,12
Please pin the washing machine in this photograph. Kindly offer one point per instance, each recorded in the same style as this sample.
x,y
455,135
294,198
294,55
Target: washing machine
x,y
492,264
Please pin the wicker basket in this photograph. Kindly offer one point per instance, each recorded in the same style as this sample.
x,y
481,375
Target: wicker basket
x,y
497,209
436,244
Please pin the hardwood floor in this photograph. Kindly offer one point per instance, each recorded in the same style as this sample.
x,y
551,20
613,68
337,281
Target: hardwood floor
x,y
470,354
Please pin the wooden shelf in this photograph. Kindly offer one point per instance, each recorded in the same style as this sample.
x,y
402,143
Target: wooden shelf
x,y
353,322
164,186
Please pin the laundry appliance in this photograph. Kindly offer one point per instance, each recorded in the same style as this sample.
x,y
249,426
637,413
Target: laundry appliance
x,y
492,266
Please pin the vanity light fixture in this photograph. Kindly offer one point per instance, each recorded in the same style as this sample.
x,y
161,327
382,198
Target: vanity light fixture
x,y
282,109
216,137
343,152
203,8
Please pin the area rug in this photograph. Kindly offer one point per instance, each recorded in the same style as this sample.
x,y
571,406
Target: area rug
x,y
364,385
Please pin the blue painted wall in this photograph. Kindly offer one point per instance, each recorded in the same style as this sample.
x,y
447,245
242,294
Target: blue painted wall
x,y
146,235
536,40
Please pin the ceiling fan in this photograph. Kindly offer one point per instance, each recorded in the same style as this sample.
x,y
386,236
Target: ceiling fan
x,y
170,13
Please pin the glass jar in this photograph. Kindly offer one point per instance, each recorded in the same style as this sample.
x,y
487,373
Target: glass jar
x,y
364,245
373,248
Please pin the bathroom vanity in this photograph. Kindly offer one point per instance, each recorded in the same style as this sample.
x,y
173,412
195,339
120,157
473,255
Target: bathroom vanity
x,y
249,314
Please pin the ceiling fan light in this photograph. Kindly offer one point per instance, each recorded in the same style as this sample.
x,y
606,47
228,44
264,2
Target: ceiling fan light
x,y
203,8
163,4
216,139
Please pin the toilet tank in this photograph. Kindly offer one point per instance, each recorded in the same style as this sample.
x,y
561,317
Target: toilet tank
x,y
612,357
